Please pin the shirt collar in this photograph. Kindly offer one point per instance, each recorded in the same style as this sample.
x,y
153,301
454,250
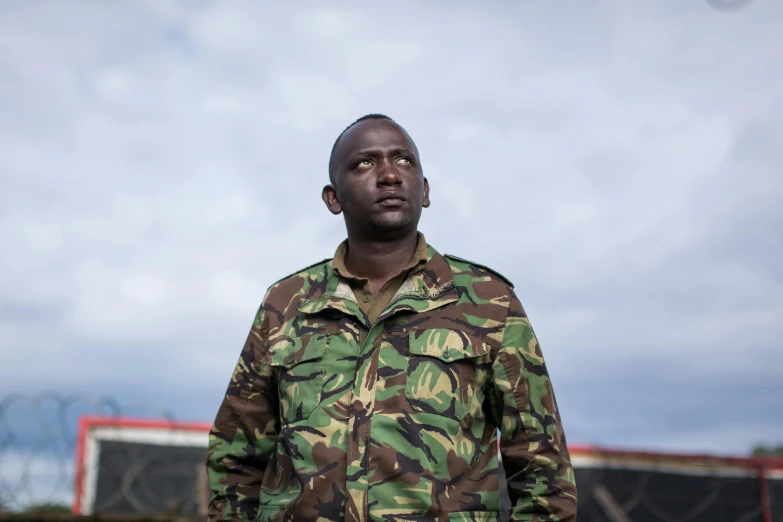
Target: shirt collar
x,y
420,258
425,288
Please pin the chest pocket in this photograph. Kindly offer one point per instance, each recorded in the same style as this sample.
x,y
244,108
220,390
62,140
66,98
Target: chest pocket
x,y
300,374
444,372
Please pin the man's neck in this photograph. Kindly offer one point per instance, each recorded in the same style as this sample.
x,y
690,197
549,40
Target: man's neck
x,y
379,261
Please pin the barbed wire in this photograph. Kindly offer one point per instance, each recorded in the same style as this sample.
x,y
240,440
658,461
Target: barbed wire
x,y
164,472
38,450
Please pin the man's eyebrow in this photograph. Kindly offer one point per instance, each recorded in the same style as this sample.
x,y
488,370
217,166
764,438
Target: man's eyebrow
x,y
374,153
401,151
371,153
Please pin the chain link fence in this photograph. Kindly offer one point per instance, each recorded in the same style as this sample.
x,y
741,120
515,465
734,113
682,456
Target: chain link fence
x,y
624,486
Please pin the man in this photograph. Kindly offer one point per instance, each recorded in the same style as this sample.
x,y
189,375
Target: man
x,y
372,385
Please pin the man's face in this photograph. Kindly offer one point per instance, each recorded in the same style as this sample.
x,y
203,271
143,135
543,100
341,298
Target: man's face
x,y
378,181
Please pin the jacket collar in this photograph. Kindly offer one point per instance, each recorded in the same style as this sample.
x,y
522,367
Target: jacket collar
x,y
427,288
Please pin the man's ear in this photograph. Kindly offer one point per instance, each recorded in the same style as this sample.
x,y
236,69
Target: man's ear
x,y
329,195
426,201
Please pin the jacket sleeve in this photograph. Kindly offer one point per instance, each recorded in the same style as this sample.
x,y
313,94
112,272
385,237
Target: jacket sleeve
x,y
540,478
244,435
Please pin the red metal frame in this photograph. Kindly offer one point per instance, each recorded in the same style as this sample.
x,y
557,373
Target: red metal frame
x,y
88,422
749,463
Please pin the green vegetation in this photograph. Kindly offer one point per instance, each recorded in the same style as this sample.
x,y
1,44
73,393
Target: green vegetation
x,y
768,451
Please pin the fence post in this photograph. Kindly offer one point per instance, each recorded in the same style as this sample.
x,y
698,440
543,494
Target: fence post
x,y
766,514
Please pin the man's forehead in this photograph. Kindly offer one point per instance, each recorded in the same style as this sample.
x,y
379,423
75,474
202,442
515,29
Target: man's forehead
x,y
374,133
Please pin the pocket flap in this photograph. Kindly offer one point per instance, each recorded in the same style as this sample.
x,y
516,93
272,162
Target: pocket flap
x,y
288,351
446,344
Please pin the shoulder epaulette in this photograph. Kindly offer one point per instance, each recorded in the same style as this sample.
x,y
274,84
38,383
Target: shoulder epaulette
x,y
308,267
501,276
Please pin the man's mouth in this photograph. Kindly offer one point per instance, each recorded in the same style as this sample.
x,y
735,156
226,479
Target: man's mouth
x,y
391,198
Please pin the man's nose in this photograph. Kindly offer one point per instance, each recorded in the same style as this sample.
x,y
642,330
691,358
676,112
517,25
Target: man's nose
x,y
389,174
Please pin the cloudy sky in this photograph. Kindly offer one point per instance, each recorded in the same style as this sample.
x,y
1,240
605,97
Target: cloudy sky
x,y
622,162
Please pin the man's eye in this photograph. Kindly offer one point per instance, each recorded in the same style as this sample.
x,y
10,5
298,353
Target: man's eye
x,y
365,162
403,160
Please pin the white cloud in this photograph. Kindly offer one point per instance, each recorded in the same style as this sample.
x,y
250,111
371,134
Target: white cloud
x,y
234,291
30,478
161,165
312,100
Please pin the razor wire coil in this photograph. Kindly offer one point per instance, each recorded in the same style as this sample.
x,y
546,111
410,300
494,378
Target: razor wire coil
x,y
39,438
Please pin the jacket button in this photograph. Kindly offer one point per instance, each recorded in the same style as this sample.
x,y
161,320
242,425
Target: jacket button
x,y
367,298
289,359
447,354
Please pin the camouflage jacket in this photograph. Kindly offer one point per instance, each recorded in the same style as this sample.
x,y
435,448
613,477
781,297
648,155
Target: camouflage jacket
x,y
328,417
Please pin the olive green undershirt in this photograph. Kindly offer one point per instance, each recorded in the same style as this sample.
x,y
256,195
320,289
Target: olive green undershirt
x,y
373,305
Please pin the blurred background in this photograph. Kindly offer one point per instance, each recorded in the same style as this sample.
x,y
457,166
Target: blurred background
x,y
622,162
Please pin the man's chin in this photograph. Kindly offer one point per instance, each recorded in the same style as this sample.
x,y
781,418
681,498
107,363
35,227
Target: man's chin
x,y
391,224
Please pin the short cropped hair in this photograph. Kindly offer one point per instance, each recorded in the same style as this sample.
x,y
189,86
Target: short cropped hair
x,y
334,147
